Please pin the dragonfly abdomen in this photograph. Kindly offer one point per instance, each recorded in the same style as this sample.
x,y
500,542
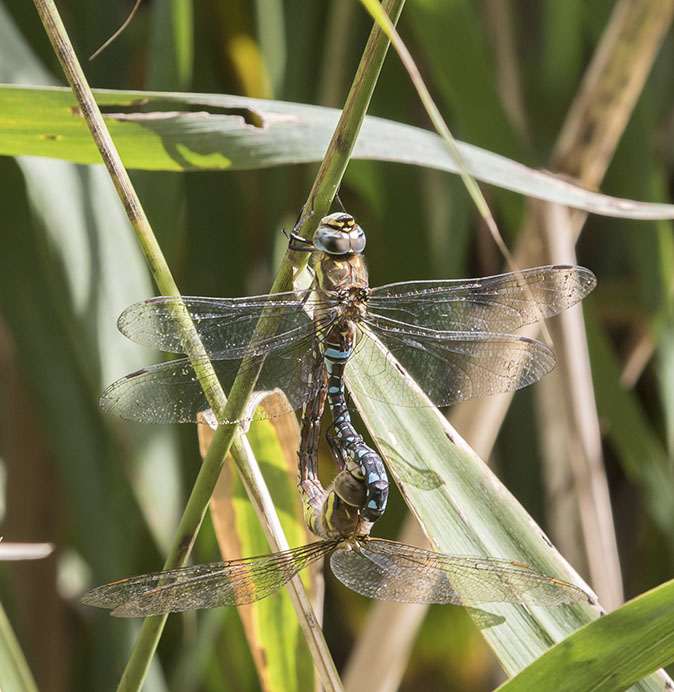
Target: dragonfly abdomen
x,y
348,447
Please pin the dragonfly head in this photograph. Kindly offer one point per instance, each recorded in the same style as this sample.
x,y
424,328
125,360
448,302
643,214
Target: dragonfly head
x,y
339,234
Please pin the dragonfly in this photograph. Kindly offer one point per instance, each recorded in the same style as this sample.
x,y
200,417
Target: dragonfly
x,y
373,567
453,337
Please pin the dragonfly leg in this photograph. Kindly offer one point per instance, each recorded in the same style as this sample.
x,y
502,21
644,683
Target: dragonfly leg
x,y
339,201
313,493
302,217
297,242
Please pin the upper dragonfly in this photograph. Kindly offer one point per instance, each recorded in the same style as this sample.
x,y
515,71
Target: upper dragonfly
x,y
453,337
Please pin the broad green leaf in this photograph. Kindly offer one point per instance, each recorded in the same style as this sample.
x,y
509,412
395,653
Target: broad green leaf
x,y
272,40
75,287
464,509
60,295
560,68
171,54
169,66
169,131
611,653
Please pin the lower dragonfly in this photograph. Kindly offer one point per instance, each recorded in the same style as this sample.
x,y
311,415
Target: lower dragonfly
x,y
373,567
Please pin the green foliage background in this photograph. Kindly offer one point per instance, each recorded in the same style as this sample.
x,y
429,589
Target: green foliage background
x,y
108,494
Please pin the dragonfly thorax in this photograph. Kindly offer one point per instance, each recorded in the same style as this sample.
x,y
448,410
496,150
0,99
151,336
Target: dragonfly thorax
x,y
339,234
356,540
354,302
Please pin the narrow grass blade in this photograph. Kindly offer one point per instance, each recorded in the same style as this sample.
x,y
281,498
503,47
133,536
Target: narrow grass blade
x,y
280,652
15,675
223,132
636,443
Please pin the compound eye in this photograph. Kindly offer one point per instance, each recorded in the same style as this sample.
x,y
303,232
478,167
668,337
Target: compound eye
x,y
331,240
357,240
338,245
339,234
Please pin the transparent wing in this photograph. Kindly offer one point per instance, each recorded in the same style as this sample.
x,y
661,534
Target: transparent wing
x,y
393,571
171,392
448,366
225,325
205,586
499,304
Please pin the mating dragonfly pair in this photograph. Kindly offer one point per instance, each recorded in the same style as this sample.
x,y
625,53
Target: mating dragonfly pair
x,y
453,337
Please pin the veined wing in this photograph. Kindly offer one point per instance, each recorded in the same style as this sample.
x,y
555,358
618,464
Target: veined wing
x,y
234,582
449,366
499,304
171,392
225,325
393,571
